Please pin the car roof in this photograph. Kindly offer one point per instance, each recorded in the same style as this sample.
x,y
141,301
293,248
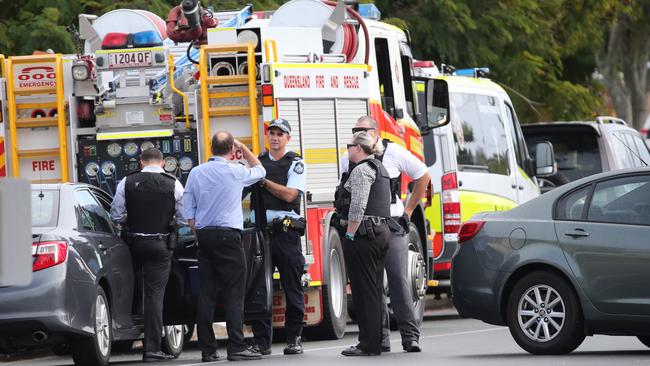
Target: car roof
x,y
599,126
59,186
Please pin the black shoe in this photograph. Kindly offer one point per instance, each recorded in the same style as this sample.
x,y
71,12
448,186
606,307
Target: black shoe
x,y
245,355
385,349
412,346
209,357
354,351
294,347
156,357
260,350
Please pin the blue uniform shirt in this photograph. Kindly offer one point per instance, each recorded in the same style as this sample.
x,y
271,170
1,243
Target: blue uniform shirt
x,y
297,179
213,192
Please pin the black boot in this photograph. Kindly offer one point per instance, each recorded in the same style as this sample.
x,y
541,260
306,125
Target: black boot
x,y
294,346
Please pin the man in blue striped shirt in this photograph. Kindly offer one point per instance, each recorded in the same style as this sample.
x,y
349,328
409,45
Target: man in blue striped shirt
x,y
212,202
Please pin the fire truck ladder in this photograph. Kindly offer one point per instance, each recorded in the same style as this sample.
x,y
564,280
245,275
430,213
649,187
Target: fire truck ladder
x,y
57,121
208,93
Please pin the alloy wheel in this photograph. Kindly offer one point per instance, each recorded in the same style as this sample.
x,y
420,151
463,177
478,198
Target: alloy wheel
x,y
541,313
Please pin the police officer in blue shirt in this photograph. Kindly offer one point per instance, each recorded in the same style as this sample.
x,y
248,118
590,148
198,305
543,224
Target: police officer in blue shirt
x,y
281,194
213,209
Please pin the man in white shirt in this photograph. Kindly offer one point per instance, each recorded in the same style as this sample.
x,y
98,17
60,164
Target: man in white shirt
x,y
398,160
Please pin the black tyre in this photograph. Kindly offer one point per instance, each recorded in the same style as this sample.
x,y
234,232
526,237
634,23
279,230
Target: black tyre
x,y
645,340
544,314
95,350
173,339
333,291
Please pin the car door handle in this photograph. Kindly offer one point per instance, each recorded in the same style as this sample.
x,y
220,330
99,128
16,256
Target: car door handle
x,y
577,233
521,188
102,247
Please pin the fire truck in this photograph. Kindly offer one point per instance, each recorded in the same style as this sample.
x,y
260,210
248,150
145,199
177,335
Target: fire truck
x,y
319,64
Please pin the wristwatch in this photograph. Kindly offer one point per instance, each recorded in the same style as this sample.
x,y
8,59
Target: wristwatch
x,y
349,236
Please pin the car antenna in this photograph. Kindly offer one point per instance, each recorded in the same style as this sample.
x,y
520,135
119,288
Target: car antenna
x,y
629,148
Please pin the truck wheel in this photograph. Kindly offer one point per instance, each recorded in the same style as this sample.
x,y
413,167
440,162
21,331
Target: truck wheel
x,y
95,350
333,292
417,273
173,339
544,314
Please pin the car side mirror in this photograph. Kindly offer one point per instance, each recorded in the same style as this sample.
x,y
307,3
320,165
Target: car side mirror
x,y
434,94
545,159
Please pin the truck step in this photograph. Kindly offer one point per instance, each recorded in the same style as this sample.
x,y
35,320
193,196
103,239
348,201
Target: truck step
x,y
37,122
38,153
229,111
35,91
224,80
238,94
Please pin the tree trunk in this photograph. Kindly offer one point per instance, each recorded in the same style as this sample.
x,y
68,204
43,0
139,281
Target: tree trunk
x,y
623,62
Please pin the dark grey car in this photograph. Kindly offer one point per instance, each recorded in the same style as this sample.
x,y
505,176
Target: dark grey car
x,y
81,298
570,263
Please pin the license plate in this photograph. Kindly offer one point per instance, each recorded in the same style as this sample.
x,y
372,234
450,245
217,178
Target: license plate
x,y
120,60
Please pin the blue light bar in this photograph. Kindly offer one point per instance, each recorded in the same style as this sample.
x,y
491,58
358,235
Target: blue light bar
x,y
369,11
476,72
147,39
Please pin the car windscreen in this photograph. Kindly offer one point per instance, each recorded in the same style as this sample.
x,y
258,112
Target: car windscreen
x,y
45,208
576,149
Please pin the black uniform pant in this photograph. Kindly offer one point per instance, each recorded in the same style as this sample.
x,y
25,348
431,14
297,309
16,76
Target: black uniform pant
x,y
152,260
222,268
288,258
364,259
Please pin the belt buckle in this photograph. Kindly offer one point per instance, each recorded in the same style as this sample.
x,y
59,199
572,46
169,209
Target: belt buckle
x,y
375,220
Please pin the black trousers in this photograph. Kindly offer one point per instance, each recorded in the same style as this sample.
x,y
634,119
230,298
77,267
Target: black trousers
x,y
152,260
364,259
222,268
288,258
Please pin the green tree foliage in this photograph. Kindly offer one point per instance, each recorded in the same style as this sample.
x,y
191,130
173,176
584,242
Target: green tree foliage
x,y
524,42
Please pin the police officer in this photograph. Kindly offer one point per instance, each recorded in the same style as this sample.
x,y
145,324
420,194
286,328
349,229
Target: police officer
x,y
281,193
362,210
212,201
397,160
139,195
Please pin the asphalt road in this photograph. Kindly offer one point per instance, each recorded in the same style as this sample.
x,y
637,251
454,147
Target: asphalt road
x,y
446,340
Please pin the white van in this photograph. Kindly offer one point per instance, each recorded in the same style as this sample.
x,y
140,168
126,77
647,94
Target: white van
x,y
478,162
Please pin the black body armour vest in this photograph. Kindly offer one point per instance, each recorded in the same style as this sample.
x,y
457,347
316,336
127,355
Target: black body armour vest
x,y
395,183
277,171
379,198
150,202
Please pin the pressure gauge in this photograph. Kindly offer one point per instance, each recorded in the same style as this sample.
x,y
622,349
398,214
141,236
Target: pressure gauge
x,y
133,165
130,149
186,164
114,150
108,168
92,169
171,164
146,145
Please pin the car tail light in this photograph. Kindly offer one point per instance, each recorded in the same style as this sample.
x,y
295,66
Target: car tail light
x,y
115,40
451,219
48,253
469,230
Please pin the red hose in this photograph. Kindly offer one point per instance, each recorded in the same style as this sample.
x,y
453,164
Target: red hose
x,y
353,43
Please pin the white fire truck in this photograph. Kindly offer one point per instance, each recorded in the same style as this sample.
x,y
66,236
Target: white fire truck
x,y
320,65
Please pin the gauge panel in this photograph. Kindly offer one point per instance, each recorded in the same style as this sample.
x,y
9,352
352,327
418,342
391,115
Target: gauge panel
x,y
105,163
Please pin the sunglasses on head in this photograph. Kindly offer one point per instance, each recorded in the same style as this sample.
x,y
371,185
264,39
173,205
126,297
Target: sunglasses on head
x,y
351,145
361,129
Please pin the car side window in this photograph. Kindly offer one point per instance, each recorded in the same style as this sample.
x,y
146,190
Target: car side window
x,y
516,135
571,207
623,200
90,214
